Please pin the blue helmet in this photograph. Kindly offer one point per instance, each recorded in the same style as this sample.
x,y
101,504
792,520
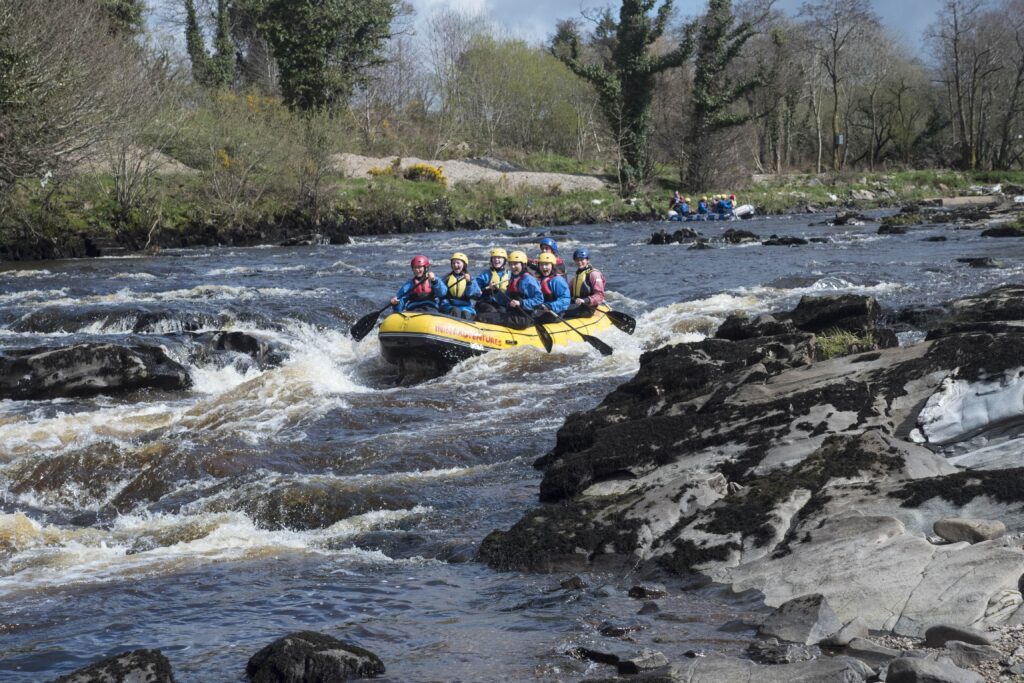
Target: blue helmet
x,y
581,253
548,242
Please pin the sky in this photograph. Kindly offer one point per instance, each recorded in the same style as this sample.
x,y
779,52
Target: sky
x,y
535,20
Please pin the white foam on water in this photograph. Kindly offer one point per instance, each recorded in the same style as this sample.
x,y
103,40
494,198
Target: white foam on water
x,y
210,379
41,274
47,556
58,297
145,277
63,431
33,296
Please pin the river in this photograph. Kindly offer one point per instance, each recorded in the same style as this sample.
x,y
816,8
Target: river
x,y
319,495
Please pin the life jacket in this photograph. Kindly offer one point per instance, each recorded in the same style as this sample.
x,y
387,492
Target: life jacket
x,y
457,285
545,286
421,290
513,286
702,207
580,287
500,279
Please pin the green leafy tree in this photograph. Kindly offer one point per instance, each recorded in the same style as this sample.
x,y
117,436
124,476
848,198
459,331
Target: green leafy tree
x,y
715,92
624,77
323,47
125,15
216,70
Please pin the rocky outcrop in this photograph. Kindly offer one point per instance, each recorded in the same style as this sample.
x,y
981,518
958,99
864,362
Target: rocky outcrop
x,y
310,657
139,666
744,460
87,370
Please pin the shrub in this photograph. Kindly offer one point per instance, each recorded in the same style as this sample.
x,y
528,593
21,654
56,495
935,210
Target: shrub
x,y
434,174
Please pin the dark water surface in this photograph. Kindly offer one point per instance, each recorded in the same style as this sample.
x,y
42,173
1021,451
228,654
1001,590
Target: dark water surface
x,y
317,494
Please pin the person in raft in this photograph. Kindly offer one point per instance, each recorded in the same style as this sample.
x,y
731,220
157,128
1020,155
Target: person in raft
x,y
422,292
554,288
549,246
492,284
586,290
462,289
524,294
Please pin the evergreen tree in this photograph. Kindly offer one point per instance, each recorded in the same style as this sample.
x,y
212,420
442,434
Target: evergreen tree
x,y
624,78
715,93
125,15
211,71
323,47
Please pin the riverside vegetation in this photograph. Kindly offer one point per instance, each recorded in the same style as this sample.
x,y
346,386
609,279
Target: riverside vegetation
x,y
110,141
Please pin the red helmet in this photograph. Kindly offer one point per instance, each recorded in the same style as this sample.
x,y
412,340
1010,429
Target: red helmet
x,y
732,196
420,261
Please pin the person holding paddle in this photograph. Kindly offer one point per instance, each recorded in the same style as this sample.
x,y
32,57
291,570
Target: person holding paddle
x,y
422,292
524,293
555,290
587,287
462,289
492,284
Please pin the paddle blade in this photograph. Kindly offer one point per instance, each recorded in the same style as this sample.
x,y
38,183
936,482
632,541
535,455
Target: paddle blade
x,y
545,337
624,322
603,348
365,324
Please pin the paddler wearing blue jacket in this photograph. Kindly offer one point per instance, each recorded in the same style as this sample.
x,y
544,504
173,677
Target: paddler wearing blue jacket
x,y
492,284
554,287
524,293
462,289
423,291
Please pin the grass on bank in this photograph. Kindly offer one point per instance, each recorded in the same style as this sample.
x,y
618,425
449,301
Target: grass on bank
x,y
220,197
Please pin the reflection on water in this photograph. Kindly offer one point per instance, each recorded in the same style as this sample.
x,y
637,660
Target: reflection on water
x,y
317,494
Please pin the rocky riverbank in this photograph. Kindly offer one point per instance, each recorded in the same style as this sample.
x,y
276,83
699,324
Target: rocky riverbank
x,y
886,483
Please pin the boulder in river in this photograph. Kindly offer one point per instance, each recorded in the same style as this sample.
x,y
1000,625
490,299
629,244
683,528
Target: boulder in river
x,y
87,370
310,657
138,666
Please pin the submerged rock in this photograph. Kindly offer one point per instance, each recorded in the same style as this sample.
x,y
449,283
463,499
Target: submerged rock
x,y
87,370
138,666
310,657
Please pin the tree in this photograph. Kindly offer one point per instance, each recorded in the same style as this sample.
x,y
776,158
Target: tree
x,y
967,60
836,26
125,16
216,70
624,77
715,92
63,86
323,47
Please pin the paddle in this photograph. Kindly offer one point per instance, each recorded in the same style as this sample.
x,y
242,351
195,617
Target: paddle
x,y
603,348
545,336
624,322
366,323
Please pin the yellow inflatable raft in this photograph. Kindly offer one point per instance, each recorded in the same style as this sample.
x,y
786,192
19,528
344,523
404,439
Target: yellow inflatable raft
x,y
431,337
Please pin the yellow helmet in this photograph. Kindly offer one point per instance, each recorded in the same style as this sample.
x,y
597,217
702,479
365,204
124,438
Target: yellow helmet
x,y
704,198
547,257
517,257
498,251
462,257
